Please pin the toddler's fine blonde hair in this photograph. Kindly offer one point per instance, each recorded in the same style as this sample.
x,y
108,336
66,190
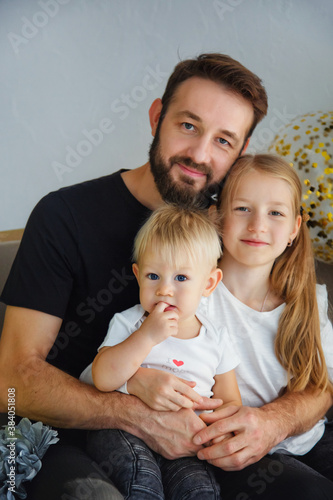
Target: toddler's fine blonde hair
x,y
179,235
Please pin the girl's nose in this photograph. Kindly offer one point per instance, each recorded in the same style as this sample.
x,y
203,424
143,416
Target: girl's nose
x,y
257,223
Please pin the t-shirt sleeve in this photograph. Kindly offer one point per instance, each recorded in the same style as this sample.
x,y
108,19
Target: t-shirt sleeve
x,y
42,274
119,330
326,328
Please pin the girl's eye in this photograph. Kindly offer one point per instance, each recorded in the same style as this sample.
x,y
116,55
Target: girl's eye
x,y
180,277
275,212
153,276
242,209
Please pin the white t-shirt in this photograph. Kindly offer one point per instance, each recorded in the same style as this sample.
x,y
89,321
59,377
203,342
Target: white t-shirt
x,y
199,359
260,376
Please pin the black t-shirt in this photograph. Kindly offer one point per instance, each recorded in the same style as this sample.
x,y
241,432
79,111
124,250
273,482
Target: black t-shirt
x,y
75,262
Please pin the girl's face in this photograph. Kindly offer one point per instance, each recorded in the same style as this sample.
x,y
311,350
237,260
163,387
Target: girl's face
x,y
261,220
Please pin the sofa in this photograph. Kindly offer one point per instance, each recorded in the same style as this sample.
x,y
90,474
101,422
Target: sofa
x,y
9,243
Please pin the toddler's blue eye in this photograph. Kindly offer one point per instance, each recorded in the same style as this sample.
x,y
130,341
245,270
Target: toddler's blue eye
x,y
180,277
153,276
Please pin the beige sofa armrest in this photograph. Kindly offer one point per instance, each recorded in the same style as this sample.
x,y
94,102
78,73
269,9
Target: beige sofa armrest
x,y
9,243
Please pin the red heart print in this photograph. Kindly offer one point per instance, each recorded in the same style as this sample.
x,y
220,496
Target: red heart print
x,y
178,363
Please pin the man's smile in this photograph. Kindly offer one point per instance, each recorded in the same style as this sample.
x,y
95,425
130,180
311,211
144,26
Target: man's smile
x,y
190,171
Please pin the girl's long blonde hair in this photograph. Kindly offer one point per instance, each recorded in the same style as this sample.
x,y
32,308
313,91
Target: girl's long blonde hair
x,y
298,343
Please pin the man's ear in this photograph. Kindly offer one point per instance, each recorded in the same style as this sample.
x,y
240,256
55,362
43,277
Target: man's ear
x,y
154,115
135,269
213,280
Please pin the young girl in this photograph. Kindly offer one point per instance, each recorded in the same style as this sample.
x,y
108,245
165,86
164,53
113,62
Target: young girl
x,y
176,254
269,300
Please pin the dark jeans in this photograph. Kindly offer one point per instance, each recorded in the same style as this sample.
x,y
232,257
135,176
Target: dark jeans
x,y
320,458
141,474
70,474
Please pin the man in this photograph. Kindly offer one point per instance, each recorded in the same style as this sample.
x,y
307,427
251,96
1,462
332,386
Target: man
x,y
73,272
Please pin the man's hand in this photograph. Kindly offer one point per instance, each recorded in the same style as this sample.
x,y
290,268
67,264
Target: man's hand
x,y
163,391
252,437
257,430
171,433
168,433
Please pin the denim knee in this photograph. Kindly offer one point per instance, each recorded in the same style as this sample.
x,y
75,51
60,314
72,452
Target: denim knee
x,y
189,479
91,489
133,467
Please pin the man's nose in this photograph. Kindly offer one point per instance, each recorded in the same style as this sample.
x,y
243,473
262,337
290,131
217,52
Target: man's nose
x,y
200,150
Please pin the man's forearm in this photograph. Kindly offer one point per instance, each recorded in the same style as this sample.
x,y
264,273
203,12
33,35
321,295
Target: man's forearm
x,y
296,412
45,393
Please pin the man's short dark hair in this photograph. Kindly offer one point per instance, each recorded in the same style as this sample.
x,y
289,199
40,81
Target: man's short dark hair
x,y
227,72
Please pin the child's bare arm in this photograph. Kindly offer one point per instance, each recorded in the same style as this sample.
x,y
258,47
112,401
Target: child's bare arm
x,y
114,365
226,388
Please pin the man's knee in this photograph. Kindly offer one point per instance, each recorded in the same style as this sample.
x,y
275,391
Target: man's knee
x,y
90,489
70,474
275,477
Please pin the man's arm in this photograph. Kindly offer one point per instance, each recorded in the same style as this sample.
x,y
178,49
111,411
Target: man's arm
x,y
257,430
42,391
45,393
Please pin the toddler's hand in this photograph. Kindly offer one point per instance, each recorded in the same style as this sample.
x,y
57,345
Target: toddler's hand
x,y
161,323
163,391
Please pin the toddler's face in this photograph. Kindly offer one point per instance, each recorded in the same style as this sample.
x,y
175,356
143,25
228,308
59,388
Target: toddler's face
x,y
181,286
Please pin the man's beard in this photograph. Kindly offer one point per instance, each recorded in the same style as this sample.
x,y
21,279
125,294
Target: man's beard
x,y
183,193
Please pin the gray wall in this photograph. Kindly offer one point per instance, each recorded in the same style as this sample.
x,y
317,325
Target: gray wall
x,y
78,77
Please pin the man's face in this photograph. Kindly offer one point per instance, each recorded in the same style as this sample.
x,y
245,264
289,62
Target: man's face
x,y
198,140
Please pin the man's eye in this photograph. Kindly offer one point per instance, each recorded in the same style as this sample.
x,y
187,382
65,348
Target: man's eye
x,y
188,126
180,277
222,141
153,276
